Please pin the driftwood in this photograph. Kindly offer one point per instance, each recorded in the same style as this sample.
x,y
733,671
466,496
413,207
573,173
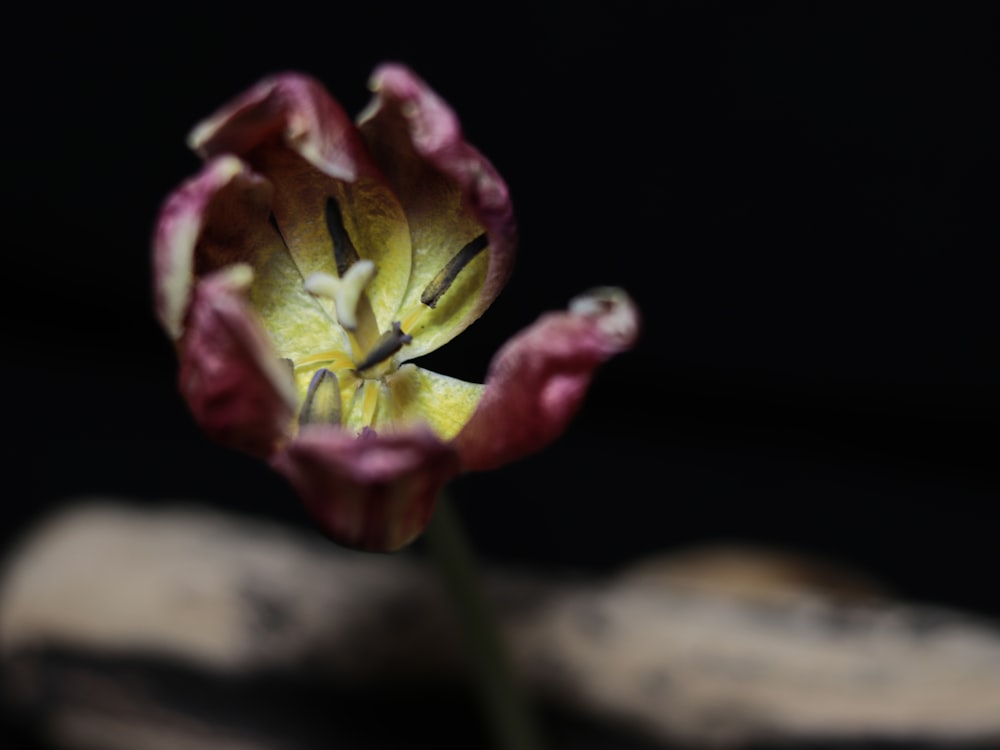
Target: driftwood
x,y
187,628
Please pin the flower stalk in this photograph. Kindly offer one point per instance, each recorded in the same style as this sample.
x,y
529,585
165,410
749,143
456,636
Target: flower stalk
x,y
505,704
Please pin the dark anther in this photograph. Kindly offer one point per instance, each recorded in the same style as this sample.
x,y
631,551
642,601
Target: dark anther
x,y
322,401
388,344
447,275
344,252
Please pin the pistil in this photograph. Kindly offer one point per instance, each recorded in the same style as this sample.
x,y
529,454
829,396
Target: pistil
x,y
345,292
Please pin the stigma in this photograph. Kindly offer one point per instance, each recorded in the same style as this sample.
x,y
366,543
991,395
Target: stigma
x,y
346,293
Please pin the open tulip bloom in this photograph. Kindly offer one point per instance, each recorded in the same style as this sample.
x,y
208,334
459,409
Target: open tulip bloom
x,y
313,258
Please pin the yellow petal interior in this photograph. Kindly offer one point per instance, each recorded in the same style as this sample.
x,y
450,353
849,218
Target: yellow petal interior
x,y
304,324
372,217
442,402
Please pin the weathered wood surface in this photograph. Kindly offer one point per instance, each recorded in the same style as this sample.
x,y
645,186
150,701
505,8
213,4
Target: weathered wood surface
x,y
133,629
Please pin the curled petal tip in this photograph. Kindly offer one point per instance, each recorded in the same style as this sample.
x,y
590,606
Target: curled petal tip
x,y
538,380
180,223
293,108
615,314
238,277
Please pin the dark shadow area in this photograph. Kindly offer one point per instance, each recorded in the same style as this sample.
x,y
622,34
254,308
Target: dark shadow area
x,y
154,697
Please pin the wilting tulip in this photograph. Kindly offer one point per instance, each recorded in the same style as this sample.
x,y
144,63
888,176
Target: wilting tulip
x,y
312,259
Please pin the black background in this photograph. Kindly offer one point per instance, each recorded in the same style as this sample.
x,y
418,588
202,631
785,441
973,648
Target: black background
x,y
801,198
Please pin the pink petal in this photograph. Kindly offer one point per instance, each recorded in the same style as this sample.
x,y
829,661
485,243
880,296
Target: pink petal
x,y
229,375
180,224
290,109
445,185
371,492
537,381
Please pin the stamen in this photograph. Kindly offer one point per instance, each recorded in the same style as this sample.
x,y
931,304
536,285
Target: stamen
x,y
345,292
344,252
337,360
322,401
369,402
388,344
411,320
447,275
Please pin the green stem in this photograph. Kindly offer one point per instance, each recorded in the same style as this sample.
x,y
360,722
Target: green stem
x,y
506,706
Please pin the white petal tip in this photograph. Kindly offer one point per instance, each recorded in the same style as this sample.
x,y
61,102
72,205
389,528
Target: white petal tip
x,y
619,318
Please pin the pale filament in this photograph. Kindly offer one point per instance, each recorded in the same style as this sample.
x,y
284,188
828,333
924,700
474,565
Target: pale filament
x,y
369,402
339,360
410,322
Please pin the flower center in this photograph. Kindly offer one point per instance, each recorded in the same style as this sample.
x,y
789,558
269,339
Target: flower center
x,y
369,348
356,379
352,389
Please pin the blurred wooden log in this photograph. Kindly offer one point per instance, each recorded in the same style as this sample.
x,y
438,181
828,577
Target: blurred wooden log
x,y
187,628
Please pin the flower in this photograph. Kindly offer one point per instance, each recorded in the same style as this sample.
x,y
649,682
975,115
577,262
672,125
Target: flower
x,y
312,259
